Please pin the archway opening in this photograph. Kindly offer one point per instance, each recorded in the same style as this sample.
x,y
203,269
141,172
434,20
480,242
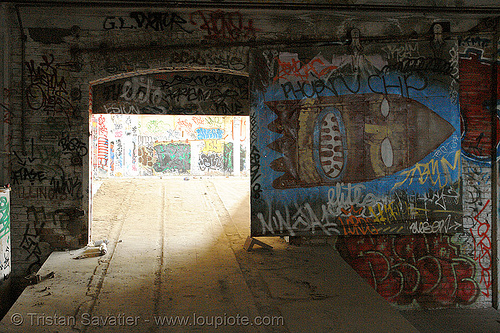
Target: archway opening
x,y
128,147
169,122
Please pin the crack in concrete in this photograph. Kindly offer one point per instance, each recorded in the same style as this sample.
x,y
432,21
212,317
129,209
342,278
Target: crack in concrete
x,y
95,284
161,262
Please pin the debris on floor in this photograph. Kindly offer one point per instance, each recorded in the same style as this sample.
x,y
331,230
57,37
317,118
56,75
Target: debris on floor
x,y
37,278
99,242
95,249
250,242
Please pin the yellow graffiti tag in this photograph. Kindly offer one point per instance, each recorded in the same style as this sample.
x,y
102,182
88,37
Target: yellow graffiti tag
x,y
395,211
436,171
215,146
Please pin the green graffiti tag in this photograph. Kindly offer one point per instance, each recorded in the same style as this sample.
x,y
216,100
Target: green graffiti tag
x,y
4,217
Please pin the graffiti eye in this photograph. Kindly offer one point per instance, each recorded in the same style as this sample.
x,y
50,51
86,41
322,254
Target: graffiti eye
x,y
387,152
384,107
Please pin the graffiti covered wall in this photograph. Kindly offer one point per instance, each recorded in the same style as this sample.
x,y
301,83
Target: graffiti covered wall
x,y
384,142
146,145
446,270
322,109
46,161
356,143
178,92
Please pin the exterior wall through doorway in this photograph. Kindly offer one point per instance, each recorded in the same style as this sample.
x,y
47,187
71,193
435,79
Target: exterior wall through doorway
x,y
149,145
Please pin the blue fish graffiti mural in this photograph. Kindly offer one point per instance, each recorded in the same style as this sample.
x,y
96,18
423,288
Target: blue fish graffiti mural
x,y
352,138
353,146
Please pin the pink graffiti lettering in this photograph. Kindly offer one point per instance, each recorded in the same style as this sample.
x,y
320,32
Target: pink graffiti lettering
x,y
220,25
290,68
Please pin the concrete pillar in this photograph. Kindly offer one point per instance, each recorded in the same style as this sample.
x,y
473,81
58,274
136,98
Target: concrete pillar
x,y
247,146
236,145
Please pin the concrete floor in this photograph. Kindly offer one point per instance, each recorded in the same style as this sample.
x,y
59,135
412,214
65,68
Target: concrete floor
x,y
176,254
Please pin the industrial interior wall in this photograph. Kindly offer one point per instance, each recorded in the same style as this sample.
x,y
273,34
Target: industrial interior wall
x,y
306,58
149,145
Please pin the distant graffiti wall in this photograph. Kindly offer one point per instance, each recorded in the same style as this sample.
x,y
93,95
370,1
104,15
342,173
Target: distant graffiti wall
x,y
351,143
146,145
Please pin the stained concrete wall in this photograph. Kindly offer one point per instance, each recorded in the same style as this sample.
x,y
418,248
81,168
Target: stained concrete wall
x,y
53,56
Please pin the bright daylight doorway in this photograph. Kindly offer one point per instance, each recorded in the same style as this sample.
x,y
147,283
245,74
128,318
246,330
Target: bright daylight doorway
x,y
144,148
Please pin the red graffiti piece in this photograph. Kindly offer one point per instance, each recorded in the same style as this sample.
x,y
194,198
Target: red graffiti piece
x,y
102,143
221,25
184,124
198,120
243,132
419,268
475,102
294,69
7,117
353,224
482,248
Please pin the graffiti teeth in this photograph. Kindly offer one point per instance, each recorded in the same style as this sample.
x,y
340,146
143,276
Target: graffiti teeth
x,y
331,147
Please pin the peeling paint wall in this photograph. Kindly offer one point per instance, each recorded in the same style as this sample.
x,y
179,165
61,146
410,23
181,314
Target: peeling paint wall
x,y
429,195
